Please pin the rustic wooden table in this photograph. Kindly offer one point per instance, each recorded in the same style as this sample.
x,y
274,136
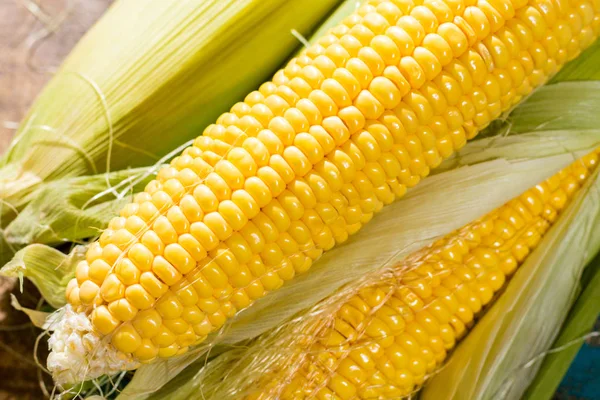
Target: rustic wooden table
x,y
35,35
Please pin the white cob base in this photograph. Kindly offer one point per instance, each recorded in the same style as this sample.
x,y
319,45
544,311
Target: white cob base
x,y
78,353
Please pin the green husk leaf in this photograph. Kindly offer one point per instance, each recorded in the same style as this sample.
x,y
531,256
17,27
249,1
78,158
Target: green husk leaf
x,y
49,269
577,108
501,355
537,144
146,78
580,321
71,209
37,318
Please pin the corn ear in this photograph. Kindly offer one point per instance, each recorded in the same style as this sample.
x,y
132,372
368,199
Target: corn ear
x,y
169,66
341,131
42,222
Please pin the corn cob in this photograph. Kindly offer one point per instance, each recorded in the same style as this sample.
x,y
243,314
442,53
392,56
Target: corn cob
x,y
304,162
384,339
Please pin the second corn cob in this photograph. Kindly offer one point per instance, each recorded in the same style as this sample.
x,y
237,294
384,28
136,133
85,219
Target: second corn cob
x,y
303,163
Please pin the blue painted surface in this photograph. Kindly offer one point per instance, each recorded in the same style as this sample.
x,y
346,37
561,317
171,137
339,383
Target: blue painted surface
x,y
582,381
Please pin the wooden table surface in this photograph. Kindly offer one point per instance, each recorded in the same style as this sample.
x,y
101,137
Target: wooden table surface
x,y
35,35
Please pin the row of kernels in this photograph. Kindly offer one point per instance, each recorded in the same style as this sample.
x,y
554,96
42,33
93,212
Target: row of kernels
x,y
402,355
495,113
381,81
503,42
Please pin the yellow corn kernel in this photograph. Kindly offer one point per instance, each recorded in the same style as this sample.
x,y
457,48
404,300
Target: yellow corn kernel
x,y
127,272
82,271
164,338
93,253
126,338
147,323
168,351
112,288
179,258
88,291
152,242
165,271
103,320
139,297
140,256
147,351
193,315
177,325
122,309
98,270
186,339
169,306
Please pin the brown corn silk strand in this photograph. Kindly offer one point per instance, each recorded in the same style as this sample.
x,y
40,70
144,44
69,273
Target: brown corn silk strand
x,y
305,161
385,337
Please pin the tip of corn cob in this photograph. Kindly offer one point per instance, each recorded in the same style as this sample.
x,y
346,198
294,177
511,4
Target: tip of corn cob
x,y
78,353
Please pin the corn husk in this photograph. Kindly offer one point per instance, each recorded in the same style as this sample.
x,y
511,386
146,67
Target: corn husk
x,y
576,109
148,76
575,330
75,209
39,319
49,269
72,209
